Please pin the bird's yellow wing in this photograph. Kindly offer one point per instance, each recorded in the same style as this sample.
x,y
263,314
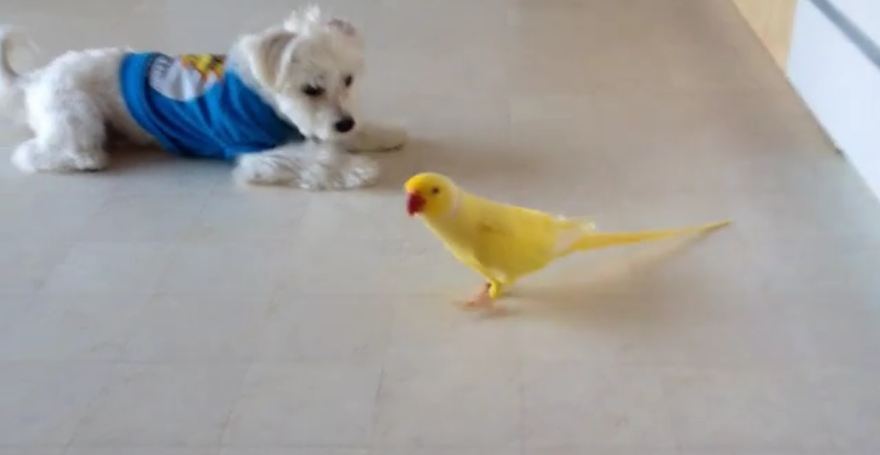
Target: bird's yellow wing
x,y
514,241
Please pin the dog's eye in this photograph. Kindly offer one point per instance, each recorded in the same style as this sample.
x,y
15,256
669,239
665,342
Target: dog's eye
x,y
435,190
348,80
313,90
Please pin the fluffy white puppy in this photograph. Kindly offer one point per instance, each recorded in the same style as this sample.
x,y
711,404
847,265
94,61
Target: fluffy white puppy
x,y
278,105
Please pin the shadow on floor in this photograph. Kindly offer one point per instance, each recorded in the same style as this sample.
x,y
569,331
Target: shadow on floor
x,y
612,293
467,163
124,158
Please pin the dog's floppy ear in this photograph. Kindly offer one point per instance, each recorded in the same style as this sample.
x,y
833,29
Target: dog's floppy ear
x,y
303,21
269,55
300,21
342,26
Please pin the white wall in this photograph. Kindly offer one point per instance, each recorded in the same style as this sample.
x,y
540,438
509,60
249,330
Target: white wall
x,y
865,14
839,84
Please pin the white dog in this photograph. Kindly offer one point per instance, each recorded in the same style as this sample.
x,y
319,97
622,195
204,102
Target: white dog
x,y
283,113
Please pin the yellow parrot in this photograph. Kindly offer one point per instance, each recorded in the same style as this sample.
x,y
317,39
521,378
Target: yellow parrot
x,y
504,242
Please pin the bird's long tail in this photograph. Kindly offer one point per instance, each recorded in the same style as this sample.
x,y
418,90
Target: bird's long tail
x,y
11,93
7,74
593,239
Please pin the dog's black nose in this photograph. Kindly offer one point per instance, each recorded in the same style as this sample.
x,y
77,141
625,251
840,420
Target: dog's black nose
x,y
345,125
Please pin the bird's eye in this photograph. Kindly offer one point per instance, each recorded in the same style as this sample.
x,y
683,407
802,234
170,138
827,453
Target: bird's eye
x,y
348,80
435,190
313,91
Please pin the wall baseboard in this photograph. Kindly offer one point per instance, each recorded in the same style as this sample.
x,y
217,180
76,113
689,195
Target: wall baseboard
x,y
772,22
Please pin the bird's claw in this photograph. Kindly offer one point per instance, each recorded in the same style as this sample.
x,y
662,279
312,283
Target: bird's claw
x,y
482,300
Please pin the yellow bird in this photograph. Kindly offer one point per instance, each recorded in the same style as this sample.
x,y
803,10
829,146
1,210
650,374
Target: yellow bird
x,y
504,242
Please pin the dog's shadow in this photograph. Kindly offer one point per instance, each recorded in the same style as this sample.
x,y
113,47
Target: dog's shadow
x,y
125,158
466,163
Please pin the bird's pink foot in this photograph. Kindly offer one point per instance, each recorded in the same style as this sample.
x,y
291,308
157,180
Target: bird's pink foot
x,y
481,300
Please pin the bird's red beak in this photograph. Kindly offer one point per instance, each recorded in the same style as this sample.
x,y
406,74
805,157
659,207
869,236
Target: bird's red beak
x,y
414,204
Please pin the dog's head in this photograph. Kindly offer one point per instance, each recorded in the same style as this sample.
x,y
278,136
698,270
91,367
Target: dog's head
x,y
307,68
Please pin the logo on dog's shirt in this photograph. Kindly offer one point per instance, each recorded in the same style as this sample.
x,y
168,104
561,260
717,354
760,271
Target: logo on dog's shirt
x,y
196,105
187,76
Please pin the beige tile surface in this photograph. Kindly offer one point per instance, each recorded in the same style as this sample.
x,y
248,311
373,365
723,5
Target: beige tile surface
x,y
109,267
42,402
161,406
305,450
33,451
325,328
433,400
157,308
607,407
718,408
58,327
197,328
846,393
316,404
139,451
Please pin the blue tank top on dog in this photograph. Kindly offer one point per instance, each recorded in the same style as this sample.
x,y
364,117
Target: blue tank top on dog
x,y
193,105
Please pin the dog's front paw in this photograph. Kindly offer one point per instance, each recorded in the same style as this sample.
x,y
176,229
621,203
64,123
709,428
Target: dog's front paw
x,y
90,162
30,157
24,157
263,169
342,174
359,172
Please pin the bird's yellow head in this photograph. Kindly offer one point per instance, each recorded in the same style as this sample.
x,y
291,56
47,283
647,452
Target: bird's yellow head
x,y
429,194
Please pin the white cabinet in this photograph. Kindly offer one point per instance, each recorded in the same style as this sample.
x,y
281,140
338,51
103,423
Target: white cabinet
x,y
865,14
838,80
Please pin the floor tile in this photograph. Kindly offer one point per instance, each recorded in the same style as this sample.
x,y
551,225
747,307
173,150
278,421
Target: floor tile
x,y
735,330
742,409
437,326
235,214
251,269
292,451
72,327
197,328
196,401
850,399
41,403
305,404
728,451
838,324
32,451
45,217
139,451
564,321
430,400
275,320
297,329
144,218
14,305
592,450
27,265
594,406
109,267
445,451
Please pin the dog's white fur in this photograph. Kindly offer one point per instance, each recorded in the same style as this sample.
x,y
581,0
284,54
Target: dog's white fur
x,y
70,104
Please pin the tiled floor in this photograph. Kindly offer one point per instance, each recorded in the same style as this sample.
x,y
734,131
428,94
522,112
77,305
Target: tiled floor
x,y
157,309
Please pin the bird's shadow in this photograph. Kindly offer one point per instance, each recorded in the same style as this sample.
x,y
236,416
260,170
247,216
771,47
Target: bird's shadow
x,y
612,294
